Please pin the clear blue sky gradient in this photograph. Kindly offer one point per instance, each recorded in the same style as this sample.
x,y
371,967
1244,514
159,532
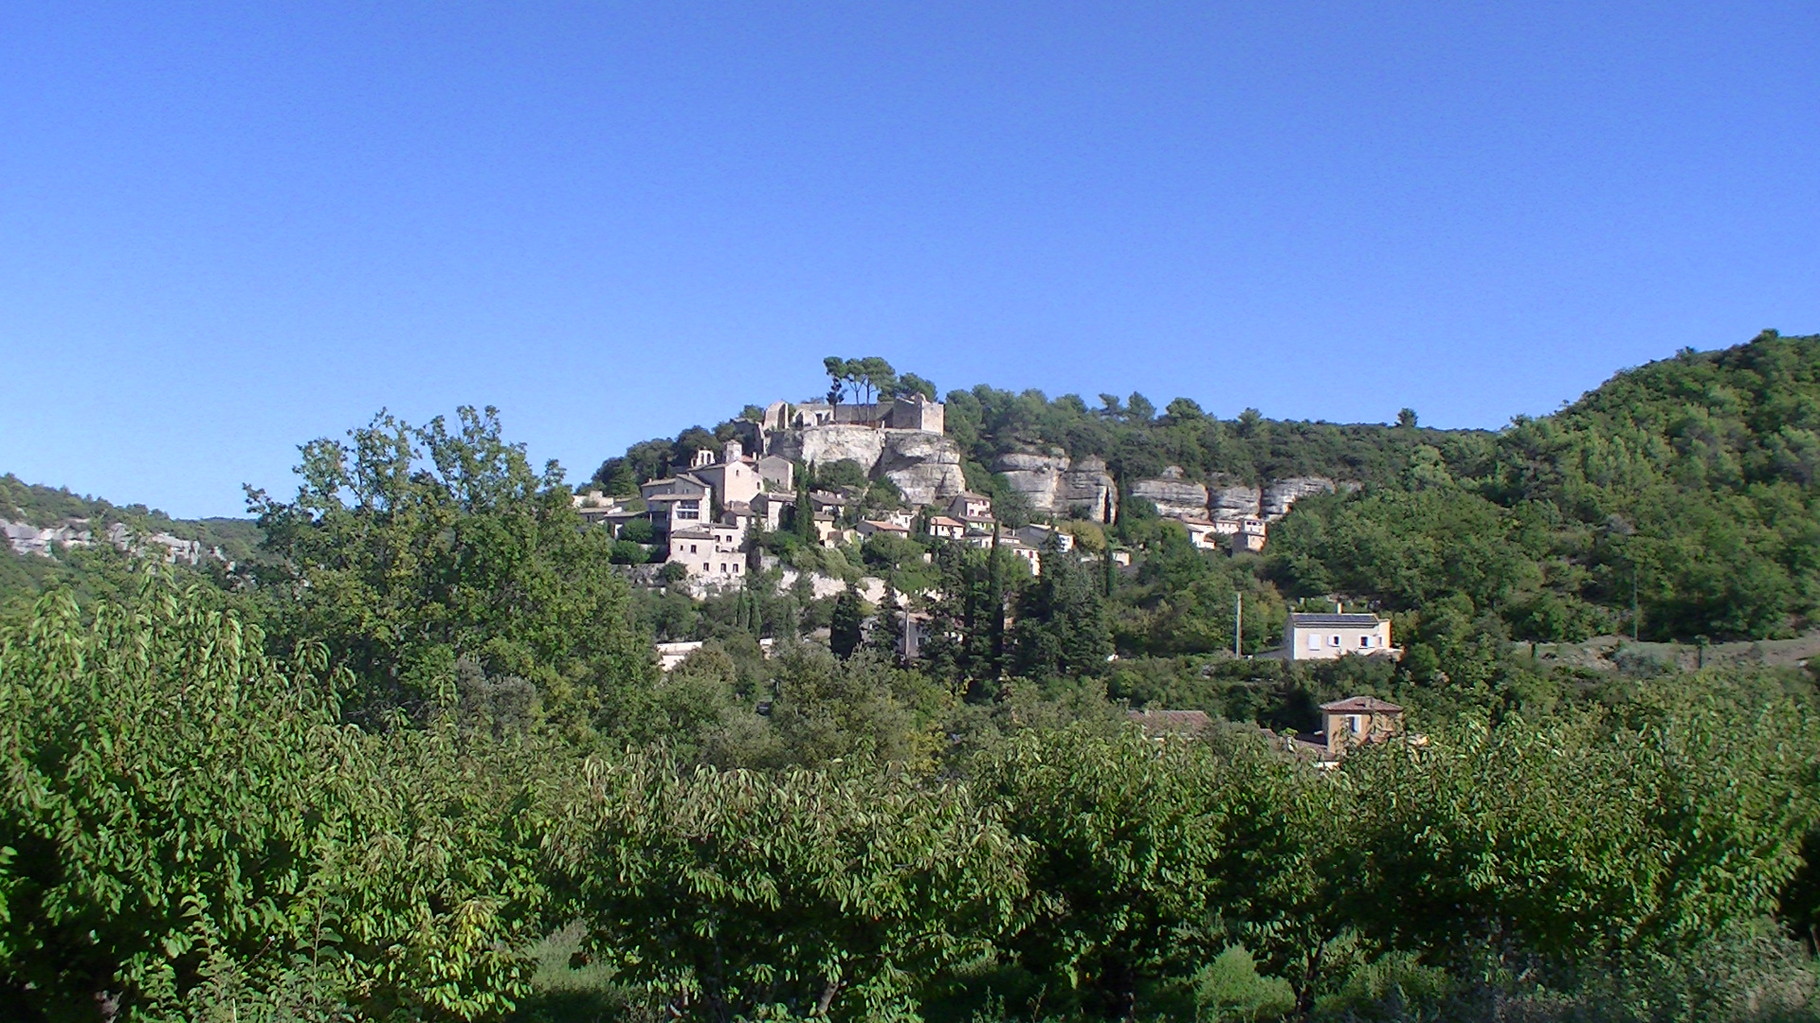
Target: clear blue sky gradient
x,y
227,229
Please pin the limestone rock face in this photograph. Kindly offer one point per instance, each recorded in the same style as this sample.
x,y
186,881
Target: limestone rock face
x,y
1230,499
1281,495
925,465
824,444
1055,486
1036,476
1088,483
1173,495
25,538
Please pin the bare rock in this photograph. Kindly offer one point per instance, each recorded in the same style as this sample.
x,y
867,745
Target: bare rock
x,y
831,443
1281,495
925,465
1229,499
1173,496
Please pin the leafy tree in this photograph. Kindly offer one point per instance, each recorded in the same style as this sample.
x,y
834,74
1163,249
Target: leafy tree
x,y
408,547
1061,622
910,384
803,894
187,827
849,619
1125,841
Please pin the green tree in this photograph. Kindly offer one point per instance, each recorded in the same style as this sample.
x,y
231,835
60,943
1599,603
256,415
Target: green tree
x,y
187,827
408,547
847,629
727,895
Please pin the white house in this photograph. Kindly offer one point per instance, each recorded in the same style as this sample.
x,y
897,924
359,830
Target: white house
x,y
970,506
1323,637
1204,533
944,528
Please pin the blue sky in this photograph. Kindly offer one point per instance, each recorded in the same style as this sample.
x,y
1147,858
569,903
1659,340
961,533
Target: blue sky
x,y
228,229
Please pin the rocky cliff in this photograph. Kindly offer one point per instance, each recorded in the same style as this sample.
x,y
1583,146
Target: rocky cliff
x,y
26,538
926,466
1177,496
1057,486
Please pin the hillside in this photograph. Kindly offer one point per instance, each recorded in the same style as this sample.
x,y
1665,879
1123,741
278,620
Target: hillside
x,y
52,536
1117,794
1675,501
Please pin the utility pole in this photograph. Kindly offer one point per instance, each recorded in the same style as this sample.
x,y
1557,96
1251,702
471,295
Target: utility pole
x,y
1238,621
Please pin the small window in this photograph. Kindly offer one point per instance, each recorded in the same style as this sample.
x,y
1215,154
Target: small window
x,y
1334,641
1314,642
1364,640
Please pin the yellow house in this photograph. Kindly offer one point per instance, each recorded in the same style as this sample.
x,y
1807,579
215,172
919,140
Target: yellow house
x,y
1358,720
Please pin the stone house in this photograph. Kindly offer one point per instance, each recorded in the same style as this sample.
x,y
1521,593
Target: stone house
x,y
873,527
1041,536
676,502
1323,637
769,508
914,412
733,476
710,553
777,472
944,528
971,507
1249,537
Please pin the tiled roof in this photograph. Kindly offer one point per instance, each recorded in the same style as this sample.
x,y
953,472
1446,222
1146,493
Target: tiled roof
x,y
1362,705
1173,720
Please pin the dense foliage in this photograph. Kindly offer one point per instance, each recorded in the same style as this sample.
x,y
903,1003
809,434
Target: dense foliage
x,y
416,760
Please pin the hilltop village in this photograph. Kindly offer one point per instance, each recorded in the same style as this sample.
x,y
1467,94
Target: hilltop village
x,y
703,518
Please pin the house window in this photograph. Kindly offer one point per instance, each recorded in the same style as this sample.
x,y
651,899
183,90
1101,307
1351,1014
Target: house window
x,y
691,548
1314,642
1334,641
1364,640
1355,723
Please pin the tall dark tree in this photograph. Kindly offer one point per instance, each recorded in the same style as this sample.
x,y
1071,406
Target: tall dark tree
x,y
846,630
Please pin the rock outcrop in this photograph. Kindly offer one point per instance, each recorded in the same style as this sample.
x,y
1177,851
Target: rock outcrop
x,y
25,538
1230,499
926,466
1281,495
1057,486
1173,496
823,444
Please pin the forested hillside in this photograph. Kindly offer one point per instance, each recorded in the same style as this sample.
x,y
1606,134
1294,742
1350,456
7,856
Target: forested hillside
x,y
46,519
1679,500
415,757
